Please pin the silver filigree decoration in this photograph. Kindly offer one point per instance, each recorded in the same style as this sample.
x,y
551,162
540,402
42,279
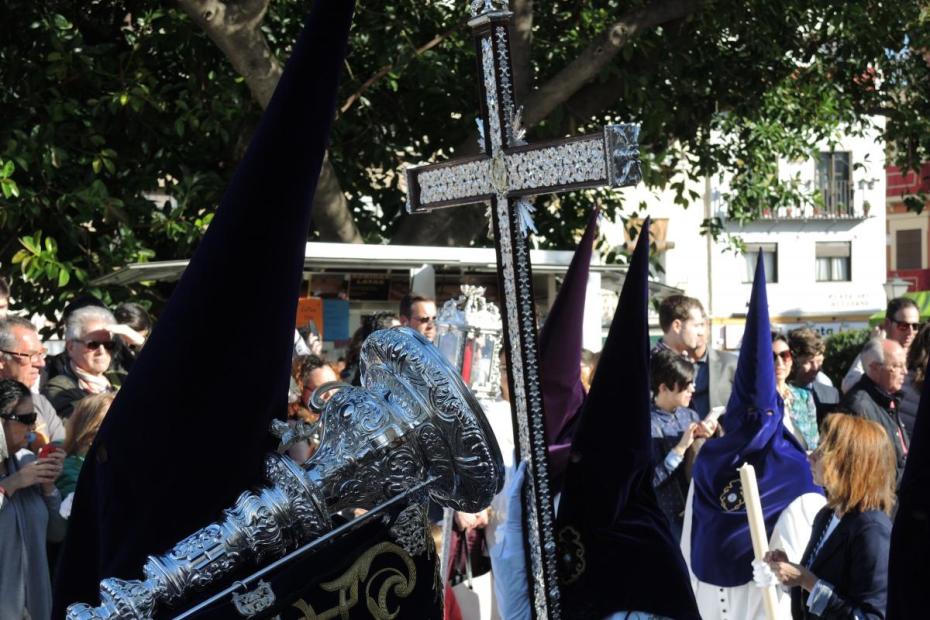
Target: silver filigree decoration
x,y
519,133
525,211
411,530
483,7
505,90
490,87
293,433
623,154
482,145
511,294
471,323
455,182
253,602
575,162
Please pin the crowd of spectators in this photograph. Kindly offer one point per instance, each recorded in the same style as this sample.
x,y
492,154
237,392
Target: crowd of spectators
x,y
52,406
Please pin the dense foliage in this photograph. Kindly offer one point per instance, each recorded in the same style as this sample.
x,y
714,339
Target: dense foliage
x,y
120,121
842,349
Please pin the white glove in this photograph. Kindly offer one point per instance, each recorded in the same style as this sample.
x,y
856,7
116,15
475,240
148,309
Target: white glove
x,y
762,574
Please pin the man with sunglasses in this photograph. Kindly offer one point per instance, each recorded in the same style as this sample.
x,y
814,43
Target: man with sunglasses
x,y
419,313
901,324
89,344
22,358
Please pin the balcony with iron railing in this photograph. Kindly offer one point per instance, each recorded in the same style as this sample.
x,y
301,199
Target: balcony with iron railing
x,y
831,202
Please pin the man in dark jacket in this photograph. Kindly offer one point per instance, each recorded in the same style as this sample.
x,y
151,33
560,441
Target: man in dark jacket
x,y
875,395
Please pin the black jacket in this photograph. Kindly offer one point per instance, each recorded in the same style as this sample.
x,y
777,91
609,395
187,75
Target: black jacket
x,y
854,561
826,398
869,401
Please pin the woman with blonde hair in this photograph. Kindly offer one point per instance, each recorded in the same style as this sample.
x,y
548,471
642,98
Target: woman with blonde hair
x,y
81,429
844,570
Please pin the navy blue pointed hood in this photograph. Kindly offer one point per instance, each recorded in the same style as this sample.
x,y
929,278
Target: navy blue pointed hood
x,y
560,344
608,513
908,569
188,430
721,548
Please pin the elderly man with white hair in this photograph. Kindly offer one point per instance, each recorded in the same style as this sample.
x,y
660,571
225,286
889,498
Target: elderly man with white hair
x,y
22,358
875,395
90,344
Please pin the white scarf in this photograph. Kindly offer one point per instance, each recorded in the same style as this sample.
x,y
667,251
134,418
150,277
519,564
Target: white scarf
x,y
94,384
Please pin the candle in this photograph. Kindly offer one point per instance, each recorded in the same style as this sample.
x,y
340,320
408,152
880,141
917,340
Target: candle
x,y
760,540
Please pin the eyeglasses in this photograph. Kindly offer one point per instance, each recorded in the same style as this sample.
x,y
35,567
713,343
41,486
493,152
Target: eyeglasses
x,y
903,326
785,356
23,418
30,357
93,345
898,366
423,320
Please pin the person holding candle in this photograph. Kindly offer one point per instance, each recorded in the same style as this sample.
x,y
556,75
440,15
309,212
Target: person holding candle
x,y
843,572
716,540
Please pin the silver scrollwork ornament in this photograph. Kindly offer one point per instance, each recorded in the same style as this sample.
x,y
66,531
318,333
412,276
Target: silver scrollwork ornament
x,y
469,334
412,419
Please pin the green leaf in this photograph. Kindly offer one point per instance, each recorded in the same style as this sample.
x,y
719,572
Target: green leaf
x,y
63,278
30,244
61,22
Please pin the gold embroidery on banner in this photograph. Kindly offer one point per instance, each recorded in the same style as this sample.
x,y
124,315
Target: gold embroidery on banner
x,y
732,497
347,585
572,554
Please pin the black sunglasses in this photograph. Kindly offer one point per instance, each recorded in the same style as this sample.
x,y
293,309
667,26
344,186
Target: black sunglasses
x,y
784,355
93,345
23,418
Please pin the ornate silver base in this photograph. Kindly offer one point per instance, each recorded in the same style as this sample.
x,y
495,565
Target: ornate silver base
x,y
414,419
263,524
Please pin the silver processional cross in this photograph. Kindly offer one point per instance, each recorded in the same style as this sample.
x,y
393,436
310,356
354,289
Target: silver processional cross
x,y
506,175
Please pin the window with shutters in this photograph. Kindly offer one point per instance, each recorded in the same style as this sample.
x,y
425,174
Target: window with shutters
x,y
769,259
834,262
909,249
833,178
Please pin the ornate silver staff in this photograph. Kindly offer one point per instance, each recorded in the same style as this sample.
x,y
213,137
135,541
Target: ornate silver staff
x,y
412,419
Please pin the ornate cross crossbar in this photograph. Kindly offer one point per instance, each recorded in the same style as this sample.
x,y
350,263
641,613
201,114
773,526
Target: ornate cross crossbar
x,y
506,175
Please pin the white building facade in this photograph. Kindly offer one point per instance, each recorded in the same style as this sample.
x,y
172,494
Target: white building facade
x,y
826,266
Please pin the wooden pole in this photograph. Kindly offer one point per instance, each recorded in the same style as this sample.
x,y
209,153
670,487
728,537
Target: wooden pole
x,y
760,540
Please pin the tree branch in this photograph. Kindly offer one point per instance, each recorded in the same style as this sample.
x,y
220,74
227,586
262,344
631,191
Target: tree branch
x,y
599,53
386,69
235,27
521,43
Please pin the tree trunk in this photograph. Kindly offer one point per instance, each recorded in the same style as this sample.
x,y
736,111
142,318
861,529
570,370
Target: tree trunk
x,y
235,27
